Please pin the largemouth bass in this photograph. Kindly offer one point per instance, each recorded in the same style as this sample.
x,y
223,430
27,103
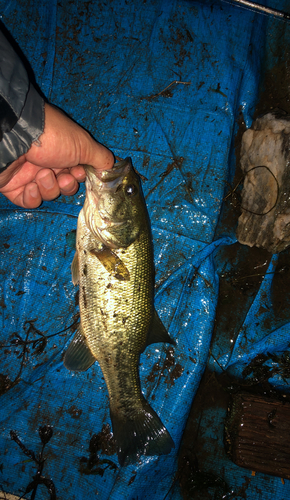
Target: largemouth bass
x,y
113,265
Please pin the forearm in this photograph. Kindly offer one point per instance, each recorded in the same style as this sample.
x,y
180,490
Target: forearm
x,y
33,171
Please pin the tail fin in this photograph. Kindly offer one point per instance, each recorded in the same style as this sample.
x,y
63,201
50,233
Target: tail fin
x,y
142,433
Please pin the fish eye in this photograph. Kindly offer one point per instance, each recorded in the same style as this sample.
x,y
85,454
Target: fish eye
x,y
130,190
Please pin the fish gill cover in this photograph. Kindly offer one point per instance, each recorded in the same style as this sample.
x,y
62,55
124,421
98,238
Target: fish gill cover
x,y
162,82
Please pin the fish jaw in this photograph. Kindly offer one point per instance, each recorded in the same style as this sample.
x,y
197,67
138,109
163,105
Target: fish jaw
x,y
100,185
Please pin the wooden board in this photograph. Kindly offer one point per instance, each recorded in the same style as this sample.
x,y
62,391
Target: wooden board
x,y
257,434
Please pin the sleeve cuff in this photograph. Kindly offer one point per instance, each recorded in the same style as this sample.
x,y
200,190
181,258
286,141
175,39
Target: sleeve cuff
x,y
28,129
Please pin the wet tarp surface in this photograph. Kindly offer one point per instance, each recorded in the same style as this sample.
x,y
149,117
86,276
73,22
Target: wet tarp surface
x,y
161,81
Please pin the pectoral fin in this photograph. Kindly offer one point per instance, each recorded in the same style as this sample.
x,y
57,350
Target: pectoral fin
x,y
112,263
78,356
158,332
75,269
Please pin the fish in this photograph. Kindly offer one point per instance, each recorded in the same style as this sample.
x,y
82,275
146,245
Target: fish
x,y
114,268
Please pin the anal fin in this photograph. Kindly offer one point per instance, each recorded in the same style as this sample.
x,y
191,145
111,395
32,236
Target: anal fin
x,y
78,356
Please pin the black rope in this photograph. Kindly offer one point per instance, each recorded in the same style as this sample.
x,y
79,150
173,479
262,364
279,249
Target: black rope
x,y
278,192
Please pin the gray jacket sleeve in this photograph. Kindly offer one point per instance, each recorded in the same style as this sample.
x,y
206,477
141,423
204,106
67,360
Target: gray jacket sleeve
x,y
21,107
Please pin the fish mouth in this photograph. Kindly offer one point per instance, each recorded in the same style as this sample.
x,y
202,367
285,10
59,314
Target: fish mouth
x,y
119,170
98,183
103,208
109,179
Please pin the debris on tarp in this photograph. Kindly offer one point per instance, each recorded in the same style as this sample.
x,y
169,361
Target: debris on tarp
x,y
265,217
257,430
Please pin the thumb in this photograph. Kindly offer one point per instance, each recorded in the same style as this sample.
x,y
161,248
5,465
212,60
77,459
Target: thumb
x,y
97,155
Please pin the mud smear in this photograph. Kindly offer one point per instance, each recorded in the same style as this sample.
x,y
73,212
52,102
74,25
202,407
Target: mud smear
x,y
101,443
5,383
275,86
230,210
259,372
195,480
281,287
74,412
271,98
196,483
170,370
132,479
238,286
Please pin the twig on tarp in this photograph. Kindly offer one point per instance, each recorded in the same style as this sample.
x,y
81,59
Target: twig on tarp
x,y
45,433
163,92
175,82
38,345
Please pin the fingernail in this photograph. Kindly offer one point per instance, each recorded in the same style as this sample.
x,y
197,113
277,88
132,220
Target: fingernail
x,y
33,191
47,181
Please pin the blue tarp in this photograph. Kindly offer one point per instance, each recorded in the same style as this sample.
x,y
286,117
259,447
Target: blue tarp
x,y
111,64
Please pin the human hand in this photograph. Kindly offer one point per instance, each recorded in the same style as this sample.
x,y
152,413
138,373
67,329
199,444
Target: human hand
x,y
55,166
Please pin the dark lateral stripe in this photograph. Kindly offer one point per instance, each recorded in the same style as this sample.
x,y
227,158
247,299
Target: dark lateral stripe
x,y
7,117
